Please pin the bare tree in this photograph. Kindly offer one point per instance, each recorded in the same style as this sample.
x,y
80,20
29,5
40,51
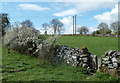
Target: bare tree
x,y
108,31
114,26
103,27
94,33
79,30
57,26
83,30
27,23
45,26
60,29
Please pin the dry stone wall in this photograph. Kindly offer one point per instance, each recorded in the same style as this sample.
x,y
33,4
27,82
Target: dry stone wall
x,y
75,57
110,63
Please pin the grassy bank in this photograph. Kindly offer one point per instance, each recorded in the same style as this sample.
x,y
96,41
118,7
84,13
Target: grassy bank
x,y
18,67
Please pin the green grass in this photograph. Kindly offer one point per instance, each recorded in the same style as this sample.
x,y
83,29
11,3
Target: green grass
x,y
96,45
19,67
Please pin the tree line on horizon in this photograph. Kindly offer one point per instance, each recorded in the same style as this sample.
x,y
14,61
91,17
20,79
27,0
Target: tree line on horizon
x,y
58,27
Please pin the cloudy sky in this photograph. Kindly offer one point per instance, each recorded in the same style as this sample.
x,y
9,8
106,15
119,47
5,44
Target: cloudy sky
x,y
89,14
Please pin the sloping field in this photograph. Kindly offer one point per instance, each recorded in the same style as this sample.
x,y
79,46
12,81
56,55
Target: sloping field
x,y
96,45
19,67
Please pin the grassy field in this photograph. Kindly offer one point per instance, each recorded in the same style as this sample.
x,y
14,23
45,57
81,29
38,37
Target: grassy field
x,y
96,45
19,67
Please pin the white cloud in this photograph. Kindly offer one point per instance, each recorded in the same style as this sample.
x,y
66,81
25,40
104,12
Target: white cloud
x,y
68,25
91,29
82,7
108,17
32,7
66,12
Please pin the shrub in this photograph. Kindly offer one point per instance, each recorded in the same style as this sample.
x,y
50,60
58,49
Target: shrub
x,y
28,41
48,48
22,39
94,33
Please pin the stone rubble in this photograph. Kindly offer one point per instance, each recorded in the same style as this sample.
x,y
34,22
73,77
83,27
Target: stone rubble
x,y
110,62
75,57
